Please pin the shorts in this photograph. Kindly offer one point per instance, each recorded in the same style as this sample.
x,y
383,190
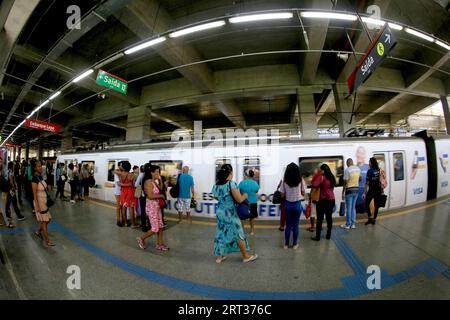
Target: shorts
x,y
184,205
253,210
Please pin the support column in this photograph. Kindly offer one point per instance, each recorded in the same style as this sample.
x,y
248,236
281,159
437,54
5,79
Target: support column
x,y
445,105
138,124
67,141
307,113
343,108
20,154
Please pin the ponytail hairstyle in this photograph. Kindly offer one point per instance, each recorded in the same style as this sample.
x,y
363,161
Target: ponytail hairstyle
x,y
327,173
223,174
374,164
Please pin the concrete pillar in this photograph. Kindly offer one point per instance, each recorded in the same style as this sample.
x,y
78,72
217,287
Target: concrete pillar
x,y
445,105
343,108
67,140
307,113
138,124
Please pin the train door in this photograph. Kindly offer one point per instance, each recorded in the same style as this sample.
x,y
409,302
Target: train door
x,y
393,164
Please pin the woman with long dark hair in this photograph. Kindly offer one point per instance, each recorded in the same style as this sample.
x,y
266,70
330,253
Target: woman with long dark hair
x,y
326,201
152,208
293,191
43,215
375,191
230,236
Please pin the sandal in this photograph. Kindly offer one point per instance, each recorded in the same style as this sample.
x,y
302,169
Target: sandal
x,y
39,235
251,258
50,244
10,225
220,260
162,248
141,243
311,229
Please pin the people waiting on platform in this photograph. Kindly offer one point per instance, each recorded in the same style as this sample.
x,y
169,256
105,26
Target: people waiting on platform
x,y
153,208
350,191
230,236
326,202
187,192
43,216
11,193
127,189
373,190
250,187
293,191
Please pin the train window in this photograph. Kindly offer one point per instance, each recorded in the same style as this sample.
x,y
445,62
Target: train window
x,y
220,163
381,161
111,169
169,169
309,164
399,172
252,164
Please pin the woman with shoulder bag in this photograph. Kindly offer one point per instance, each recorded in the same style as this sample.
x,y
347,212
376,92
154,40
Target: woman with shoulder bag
x,y
314,199
43,216
293,190
230,236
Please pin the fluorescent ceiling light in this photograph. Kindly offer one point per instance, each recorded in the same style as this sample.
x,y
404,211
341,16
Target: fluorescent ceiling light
x,y
419,34
395,26
44,103
328,15
442,44
83,75
146,45
373,21
55,95
266,16
197,28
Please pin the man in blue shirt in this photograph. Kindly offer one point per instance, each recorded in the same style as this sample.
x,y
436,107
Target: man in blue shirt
x,y
250,187
186,183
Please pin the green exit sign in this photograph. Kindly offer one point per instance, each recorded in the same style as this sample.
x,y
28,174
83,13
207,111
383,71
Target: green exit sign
x,y
111,81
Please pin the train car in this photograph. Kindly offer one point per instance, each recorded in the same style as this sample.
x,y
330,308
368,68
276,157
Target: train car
x,y
405,161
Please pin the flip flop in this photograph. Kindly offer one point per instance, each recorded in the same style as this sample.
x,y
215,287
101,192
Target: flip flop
x,y
220,260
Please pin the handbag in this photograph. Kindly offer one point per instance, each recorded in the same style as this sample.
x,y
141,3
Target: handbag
x,y
162,203
342,209
175,190
382,201
315,195
277,196
308,211
50,201
243,208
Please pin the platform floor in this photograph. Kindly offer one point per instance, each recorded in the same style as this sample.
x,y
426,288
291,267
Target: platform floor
x,y
412,248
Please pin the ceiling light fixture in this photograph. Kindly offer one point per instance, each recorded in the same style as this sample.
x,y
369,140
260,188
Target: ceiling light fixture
x,y
201,27
328,15
442,44
55,95
395,26
145,45
419,34
373,21
83,75
258,17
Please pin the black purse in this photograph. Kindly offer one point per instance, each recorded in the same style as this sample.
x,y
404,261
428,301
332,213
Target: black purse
x,y
277,197
50,201
382,201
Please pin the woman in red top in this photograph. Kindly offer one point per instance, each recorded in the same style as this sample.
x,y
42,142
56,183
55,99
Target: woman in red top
x,y
127,189
326,202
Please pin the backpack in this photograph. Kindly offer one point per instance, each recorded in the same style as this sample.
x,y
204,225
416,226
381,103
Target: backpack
x,y
383,181
175,190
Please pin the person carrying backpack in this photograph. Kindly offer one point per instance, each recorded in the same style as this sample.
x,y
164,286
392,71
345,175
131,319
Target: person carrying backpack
x,y
373,190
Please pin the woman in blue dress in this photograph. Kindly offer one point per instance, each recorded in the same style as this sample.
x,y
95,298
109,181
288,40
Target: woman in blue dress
x,y
230,236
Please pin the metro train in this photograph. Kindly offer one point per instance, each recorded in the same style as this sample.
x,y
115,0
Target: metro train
x,y
417,168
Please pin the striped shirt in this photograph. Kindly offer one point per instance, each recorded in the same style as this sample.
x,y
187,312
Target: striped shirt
x,y
293,194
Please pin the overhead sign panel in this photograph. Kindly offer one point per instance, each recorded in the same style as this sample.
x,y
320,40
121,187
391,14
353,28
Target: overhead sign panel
x,y
44,126
112,82
377,52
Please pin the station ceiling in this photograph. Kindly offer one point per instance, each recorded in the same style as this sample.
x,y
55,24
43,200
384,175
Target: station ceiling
x,y
248,75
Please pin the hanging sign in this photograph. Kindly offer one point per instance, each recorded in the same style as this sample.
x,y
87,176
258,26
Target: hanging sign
x,y
44,126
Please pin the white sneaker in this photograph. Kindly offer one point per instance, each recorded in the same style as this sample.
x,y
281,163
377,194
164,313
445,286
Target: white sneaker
x,y
72,201
344,226
285,247
295,247
353,226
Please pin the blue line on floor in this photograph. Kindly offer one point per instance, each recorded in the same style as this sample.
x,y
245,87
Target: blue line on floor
x,y
353,286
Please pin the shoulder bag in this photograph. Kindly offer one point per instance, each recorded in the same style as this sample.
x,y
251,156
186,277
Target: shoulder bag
x,y
243,208
277,197
50,201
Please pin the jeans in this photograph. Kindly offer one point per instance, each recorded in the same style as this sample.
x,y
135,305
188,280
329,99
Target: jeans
x,y
293,212
350,206
12,199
